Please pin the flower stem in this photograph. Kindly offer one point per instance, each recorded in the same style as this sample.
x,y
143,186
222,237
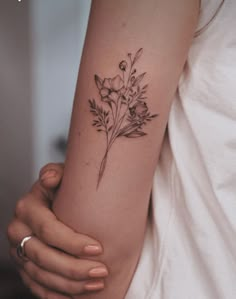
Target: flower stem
x,y
125,130
102,168
116,118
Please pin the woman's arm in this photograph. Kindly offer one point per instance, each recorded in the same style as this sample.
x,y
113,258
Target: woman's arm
x,y
119,118
57,256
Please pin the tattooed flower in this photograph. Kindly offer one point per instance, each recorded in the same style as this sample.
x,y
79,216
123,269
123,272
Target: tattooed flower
x,y
117,83
123,65
123,112
138,110
111,88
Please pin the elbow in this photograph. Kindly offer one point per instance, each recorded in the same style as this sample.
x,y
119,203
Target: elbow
x,y
121,256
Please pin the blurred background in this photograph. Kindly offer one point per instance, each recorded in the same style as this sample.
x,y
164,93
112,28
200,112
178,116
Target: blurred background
x,y
41,43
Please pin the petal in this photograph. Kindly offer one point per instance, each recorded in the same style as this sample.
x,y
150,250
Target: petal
x,y
98,81
107,83
104,92
117,83
113,96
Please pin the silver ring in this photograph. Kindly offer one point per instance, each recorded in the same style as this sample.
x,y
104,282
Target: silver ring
x,y
20,249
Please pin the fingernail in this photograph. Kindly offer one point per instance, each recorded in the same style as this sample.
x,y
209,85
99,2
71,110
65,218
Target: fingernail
x,y
94,285
98,272
48,174
92,249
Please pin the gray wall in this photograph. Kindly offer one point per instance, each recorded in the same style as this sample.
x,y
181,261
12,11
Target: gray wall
x,y
58,31
40,47
15,109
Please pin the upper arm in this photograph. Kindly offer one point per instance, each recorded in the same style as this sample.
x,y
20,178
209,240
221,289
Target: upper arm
x,y
118,205
164,30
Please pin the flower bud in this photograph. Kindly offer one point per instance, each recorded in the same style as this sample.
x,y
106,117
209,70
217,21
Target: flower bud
x,y
123,65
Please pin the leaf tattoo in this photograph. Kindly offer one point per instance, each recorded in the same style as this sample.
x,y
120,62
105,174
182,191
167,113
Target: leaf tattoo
x,y
123,111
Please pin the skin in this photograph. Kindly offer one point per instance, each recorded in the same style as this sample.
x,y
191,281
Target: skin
x,y
50,272
124,191
116,211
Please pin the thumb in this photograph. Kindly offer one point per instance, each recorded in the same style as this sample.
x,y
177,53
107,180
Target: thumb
x,y
50,175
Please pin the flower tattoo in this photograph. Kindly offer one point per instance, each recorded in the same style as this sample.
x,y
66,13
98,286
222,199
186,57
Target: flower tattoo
x,y
124,110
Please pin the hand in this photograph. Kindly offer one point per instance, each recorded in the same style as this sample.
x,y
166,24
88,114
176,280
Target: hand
x,y
57,267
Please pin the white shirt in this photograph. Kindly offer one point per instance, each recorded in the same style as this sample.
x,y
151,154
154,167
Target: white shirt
x,y
190,246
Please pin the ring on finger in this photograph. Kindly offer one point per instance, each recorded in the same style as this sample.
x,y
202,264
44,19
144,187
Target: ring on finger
x,y
20,249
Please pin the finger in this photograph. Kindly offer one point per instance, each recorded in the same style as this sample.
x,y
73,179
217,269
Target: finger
x,y
52,259
57,262
34,212
51,174
38,290
51,166
50,177
58,283
45,193
19,262
16,231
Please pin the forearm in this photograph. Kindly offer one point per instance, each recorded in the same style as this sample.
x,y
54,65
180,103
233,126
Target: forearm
x,y
108,175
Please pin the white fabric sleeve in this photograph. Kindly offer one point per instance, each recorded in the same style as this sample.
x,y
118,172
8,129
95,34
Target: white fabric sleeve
x,y
208,10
